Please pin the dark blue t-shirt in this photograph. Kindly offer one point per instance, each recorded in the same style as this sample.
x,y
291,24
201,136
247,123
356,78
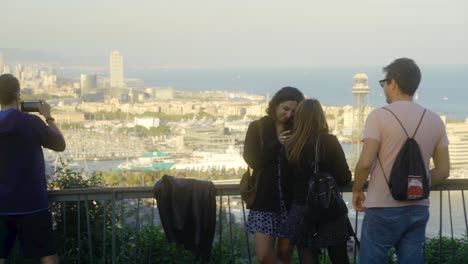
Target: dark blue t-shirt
x,y
23,188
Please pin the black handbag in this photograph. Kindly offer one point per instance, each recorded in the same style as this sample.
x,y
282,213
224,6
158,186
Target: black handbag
x,y
324,201
248,188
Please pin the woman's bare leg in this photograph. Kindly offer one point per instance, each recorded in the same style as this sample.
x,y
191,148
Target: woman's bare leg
x,y
265,249
50,260
308,255
284,250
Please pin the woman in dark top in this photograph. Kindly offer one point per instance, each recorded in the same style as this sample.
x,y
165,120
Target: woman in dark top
x,y
296,165
263,142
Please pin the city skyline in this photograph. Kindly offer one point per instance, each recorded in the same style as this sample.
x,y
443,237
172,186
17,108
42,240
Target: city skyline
x,y
221,34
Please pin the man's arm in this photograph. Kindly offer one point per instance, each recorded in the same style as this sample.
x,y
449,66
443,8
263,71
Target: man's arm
x,y
368,155
441,170
59,143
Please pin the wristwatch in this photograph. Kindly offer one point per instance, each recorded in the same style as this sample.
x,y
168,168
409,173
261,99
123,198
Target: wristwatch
x,y
49,119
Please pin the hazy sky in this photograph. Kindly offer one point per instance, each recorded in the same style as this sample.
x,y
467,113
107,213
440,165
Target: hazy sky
x,y
241,33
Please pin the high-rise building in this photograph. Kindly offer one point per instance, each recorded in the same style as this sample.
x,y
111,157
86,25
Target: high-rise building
x,y
18,70
88,83
360,92
116,70
2,62
458,149
6,69
163,93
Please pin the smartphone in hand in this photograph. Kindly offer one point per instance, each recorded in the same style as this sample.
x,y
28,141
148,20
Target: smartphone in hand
x,y
288,126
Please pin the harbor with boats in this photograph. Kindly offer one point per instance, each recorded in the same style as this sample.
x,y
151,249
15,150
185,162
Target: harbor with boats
x,y
231,158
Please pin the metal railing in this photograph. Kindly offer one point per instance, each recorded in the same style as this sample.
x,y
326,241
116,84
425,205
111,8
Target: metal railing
x,y
135,207
128,207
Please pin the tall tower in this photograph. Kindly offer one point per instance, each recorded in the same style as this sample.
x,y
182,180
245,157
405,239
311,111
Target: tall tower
x,y
116,70
360,105
1,63
18,71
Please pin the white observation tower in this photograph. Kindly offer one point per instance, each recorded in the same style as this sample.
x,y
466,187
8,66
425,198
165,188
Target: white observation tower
x,y
360,105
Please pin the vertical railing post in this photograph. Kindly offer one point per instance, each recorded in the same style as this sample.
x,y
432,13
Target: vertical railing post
x,y
64,227
356,232
122,228
451,222
246,232
113,229
450,214
90,246
135,252
220,227
148,257
79,225
440,227
230,226
464,211
104,230
152,212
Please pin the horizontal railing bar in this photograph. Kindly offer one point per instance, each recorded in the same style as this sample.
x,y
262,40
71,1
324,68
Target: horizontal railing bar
x,y
227,187
453,185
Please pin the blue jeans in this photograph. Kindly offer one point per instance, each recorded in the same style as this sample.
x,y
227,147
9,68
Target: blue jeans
x,y
401,227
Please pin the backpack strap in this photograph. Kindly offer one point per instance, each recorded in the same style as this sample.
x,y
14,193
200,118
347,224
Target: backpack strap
x,y
381,167
419,123
407,135
420,120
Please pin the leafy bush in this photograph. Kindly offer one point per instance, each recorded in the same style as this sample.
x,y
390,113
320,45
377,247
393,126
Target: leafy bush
x,y
440,250
446,250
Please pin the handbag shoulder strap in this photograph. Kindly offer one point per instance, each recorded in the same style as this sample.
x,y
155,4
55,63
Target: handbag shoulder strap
x,y
317,153
260,136
260,133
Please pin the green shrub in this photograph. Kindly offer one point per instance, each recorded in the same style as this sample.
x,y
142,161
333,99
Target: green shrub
x,y
440,250
446,250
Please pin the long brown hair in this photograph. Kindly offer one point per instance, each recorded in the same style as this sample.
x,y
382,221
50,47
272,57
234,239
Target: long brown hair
x,y
309,122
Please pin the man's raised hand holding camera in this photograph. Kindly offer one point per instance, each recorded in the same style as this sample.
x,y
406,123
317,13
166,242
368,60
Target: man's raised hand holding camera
x,y
24,207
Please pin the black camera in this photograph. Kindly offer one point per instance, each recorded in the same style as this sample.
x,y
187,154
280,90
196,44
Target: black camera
x,y
31,106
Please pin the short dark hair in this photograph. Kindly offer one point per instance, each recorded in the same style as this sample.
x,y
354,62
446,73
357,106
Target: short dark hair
x,y
405,73
287,93
9,89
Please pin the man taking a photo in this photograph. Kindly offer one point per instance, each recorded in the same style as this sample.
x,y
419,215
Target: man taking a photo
x,y
24,207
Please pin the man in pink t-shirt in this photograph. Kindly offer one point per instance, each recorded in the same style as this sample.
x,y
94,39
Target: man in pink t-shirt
x,y
390,223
